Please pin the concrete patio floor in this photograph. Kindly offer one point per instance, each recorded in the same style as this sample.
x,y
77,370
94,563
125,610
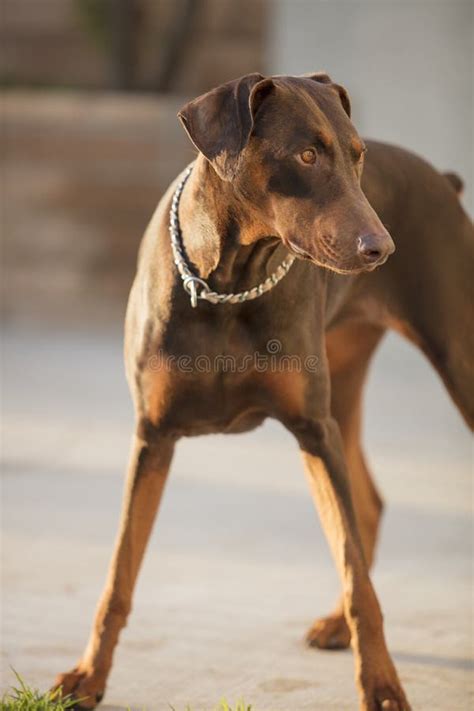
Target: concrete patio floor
x,y
237,567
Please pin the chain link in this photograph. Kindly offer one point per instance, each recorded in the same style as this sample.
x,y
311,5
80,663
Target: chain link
x,y
199,289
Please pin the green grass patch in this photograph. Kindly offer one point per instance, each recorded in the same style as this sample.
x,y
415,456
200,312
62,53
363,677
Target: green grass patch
x,y
23,698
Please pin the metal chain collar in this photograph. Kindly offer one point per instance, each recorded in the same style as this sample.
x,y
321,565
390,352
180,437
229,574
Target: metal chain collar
x,y
199,289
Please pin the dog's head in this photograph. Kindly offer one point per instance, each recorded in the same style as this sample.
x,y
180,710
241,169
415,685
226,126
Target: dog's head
x,y
288,147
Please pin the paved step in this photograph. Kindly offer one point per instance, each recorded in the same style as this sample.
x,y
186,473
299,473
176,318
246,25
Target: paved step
x,y
83,174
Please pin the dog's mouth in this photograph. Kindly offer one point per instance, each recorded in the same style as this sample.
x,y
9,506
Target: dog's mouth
x,y
298,251
328,258
331,261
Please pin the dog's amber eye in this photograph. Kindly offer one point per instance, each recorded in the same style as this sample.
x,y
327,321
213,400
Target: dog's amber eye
x,y
308,156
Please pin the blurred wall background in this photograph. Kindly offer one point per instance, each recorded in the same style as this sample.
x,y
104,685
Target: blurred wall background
x,y
184,46
91,93
92,140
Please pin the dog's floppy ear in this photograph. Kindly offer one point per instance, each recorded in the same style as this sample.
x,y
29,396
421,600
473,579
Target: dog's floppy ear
x,y
220,122
324,78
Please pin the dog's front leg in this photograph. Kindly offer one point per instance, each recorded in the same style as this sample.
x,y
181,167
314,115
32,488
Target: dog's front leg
x,y
147,473
376,676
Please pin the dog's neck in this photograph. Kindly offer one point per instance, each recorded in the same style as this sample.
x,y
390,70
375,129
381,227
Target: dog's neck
x,y
223,238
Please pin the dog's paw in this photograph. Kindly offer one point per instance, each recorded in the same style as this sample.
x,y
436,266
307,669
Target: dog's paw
x,y
391,705
83,687
383,692
387,700
329,633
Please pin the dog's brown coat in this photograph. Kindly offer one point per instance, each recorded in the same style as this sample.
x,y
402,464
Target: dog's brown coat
x,y
248,200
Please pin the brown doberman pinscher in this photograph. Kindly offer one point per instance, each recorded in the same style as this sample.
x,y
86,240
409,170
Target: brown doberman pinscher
x,y
274,235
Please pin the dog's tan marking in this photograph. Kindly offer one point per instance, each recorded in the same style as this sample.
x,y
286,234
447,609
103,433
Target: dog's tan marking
x,y
288,389
357,146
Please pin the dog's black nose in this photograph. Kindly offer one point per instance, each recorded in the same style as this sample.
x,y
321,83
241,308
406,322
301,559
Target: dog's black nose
x,y
375,248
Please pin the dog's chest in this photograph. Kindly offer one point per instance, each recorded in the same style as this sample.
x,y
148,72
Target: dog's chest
x,y
205,379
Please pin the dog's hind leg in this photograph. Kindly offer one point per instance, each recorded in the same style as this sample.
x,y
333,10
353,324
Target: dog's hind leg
x,y
448,345
430,299
148,469
452,356
349,348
